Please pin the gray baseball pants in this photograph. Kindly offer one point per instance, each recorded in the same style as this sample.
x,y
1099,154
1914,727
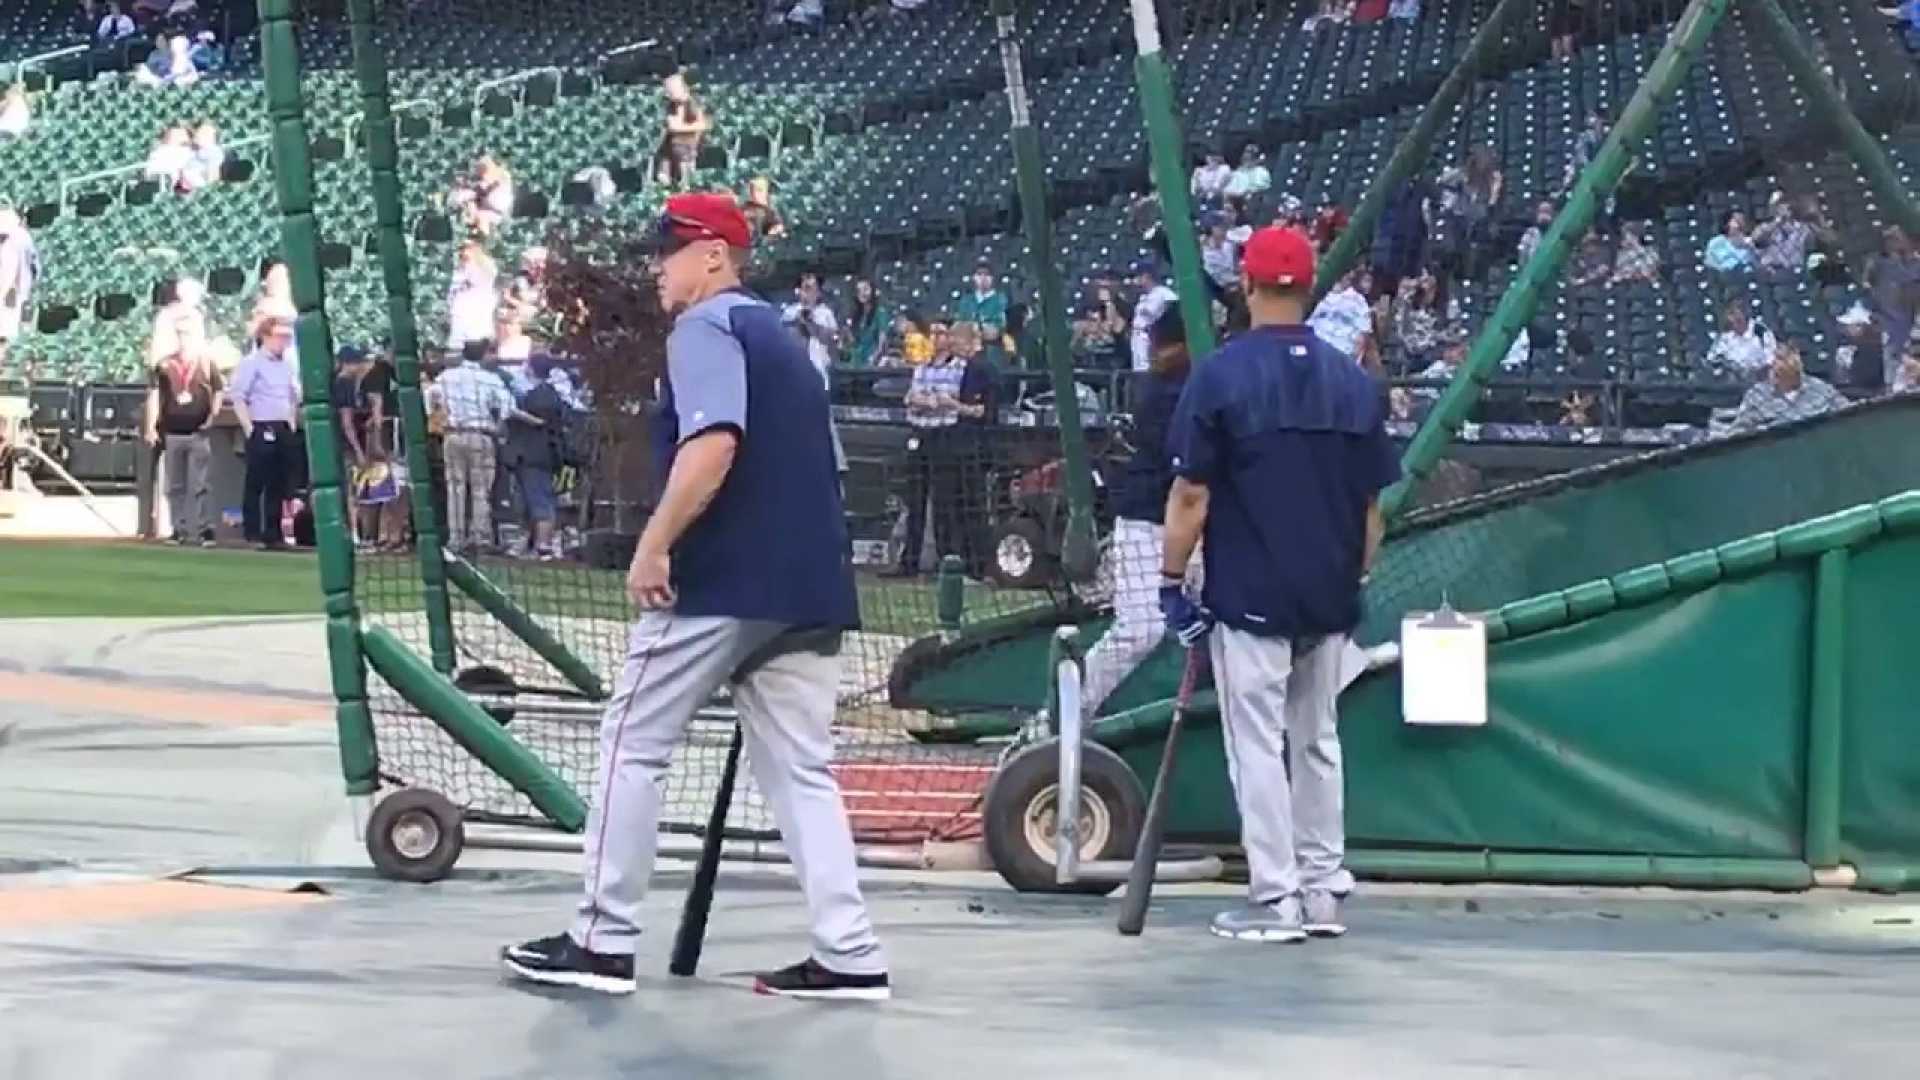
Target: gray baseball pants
x,y
1283,756
784,684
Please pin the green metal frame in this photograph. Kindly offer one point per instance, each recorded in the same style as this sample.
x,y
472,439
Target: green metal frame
x,y
396,267
300,239
1079,548
1167,149
495,602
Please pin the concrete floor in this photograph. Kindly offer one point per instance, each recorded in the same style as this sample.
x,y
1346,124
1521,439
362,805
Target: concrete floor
x,y
105,785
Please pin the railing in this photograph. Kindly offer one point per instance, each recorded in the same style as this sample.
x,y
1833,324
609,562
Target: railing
x,y
19,67
517,79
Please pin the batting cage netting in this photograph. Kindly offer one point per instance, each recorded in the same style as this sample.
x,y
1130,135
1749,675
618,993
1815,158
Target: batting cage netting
x,y
1626,268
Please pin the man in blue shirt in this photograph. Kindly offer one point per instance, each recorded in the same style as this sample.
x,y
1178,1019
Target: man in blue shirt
x,y
1279,452
743,427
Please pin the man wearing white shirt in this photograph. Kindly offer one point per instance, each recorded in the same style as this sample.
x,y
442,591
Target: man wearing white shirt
x,y
1210,180
1154,300
1251,178
1343,316
814,321
477,402
114,26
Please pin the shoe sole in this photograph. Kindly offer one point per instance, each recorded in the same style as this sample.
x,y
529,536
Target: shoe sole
x,y
579,980
841,993
1326,930
1276,937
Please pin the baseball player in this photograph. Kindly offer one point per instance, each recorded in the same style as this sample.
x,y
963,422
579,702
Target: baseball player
x,y
743,427
1279,452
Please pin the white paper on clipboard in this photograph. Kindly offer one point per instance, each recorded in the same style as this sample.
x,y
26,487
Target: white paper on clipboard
x,y
1443,669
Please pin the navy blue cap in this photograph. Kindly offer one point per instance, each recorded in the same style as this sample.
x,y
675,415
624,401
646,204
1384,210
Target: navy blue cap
x,y
351,354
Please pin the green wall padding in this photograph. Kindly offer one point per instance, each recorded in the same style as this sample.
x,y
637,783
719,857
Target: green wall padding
x,y
1880,747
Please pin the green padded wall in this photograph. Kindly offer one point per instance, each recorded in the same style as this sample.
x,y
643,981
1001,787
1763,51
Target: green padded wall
x,y
1880,747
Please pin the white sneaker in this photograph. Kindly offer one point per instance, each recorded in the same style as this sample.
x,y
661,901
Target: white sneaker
x,y
1276,922
1322,918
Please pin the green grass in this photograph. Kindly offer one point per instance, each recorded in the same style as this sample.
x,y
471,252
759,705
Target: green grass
x,y
129,580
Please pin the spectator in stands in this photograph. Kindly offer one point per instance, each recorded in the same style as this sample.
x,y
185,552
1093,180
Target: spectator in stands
x,y
16,114
1732,251
1407,10
1101,329
867,323
1220,256
266,399
985,306
1594,263
766,222
1893,281
1906,17
113,26
511,344
1453,353
206,52
1329,13
1585,146
1328,223
1469,194
1782,241
472,297
1400,242
1743,348
918,340
812,317
1416,320
527,292
19,270
1154,299
174,66
484,200
1563,26
807,13
533,456
1251,178
208,158
1635,262
1543,215
167,162
1826,256
1788,393
1210,180
686,124
1907,379
1859,361
1343,315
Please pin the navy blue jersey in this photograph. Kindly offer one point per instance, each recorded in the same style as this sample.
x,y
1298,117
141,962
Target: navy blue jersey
x,y
1143,492
1289,436
773,543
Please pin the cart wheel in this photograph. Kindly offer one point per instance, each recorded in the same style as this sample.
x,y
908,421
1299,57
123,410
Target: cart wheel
x,y
1020,812
1022,554
415,835
489,680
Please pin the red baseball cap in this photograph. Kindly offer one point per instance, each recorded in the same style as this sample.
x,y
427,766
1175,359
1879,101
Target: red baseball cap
x,y
1278,256
705,216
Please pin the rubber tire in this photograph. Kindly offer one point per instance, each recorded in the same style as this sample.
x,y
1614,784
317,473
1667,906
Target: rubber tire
x,y
1040,572
1028,774
391,811
487,679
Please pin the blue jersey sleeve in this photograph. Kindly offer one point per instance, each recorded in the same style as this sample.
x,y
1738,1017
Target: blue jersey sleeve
x,y
708,370
1193,434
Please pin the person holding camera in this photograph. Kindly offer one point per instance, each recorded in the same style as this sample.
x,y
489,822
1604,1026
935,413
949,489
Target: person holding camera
x,y
813,319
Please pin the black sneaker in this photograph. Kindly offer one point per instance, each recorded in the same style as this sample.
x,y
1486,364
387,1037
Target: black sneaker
x,y
807,979
557,961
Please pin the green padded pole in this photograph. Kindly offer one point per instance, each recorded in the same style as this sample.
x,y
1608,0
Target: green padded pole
x,y
1079,547
1596,183
383,161
950,596
1167,150
448,706
1411,152
300,240
468,579
1827,103
1826,714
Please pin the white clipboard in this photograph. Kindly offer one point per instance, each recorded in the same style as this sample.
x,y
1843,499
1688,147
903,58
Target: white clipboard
x,y
1443,669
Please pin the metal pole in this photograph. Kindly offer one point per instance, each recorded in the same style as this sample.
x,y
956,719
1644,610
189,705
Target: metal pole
x,y
383,161
1079,548
300,238
1827,103
1411,152
1167,148
1596,183
1826,714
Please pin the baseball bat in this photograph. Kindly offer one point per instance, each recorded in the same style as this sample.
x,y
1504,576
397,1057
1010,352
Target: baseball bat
x,y
1146,853
692,935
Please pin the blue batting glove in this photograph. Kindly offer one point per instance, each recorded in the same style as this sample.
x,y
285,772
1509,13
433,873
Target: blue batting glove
x,y
1186,620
